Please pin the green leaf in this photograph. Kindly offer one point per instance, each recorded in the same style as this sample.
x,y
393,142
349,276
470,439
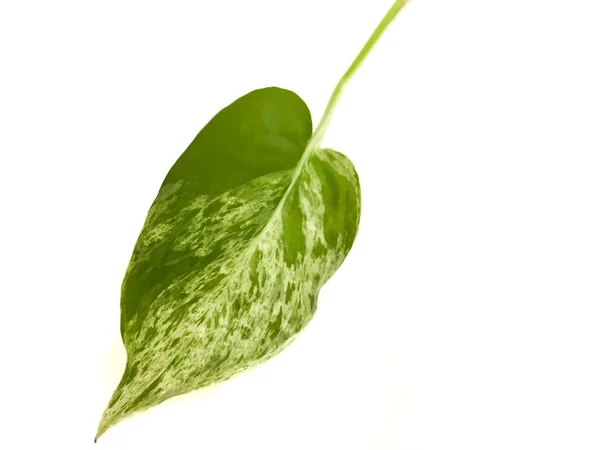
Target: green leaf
x,y
249,223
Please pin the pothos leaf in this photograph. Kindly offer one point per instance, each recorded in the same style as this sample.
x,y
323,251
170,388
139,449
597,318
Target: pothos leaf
x,y
249,223
226,271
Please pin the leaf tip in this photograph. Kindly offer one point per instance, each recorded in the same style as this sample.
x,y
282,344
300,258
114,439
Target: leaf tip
x,y
108,420
101,429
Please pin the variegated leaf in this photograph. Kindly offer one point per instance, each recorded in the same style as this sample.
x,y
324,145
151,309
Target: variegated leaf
x,y
245,230
248,225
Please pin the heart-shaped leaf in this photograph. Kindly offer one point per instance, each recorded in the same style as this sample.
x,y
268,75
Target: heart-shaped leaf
x,y
249,223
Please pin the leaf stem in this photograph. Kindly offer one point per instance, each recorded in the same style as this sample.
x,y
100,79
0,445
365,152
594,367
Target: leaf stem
x,y
319,133
316,138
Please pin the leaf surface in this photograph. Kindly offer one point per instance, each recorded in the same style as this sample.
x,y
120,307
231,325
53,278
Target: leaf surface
x,y
244,231
249,223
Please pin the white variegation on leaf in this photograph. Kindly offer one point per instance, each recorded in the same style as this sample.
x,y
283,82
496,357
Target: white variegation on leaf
x,y
248,225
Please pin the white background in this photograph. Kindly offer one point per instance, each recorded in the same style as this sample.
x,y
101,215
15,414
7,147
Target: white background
x,y
465,317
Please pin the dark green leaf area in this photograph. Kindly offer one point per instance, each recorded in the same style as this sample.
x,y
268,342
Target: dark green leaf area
x,y
262,132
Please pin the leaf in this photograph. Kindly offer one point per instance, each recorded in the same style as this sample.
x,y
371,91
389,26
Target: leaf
x,y
249,223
